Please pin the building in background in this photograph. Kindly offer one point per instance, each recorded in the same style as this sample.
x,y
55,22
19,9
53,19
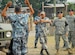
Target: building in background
x,y
49,9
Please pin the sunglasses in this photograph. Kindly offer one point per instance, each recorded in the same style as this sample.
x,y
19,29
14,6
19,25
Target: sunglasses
x,y
60,12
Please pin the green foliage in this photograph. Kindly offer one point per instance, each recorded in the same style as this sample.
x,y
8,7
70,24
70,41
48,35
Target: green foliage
x,y
4,2
52,1
71,6
36,4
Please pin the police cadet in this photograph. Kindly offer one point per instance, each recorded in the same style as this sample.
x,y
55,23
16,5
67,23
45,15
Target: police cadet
x,y
42,32
61,30
71,22
36,19
18,22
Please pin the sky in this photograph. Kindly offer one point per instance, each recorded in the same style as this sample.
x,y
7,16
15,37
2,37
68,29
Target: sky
x,y
73,1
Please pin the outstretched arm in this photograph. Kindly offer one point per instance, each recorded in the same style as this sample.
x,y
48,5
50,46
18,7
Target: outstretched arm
x,y
5,9
30,7
45,21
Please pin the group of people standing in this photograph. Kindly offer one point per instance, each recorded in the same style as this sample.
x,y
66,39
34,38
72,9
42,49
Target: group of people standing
x,y
40,28
64,27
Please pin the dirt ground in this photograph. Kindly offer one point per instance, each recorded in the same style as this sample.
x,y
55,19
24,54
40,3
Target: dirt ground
x,y
50,44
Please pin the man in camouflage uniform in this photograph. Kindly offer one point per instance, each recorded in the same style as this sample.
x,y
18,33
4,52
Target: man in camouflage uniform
x,y
61,30
71,22
41,31
18,22
36,19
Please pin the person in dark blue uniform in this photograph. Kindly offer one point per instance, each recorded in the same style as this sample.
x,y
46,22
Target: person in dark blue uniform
x,y
18,22
36,19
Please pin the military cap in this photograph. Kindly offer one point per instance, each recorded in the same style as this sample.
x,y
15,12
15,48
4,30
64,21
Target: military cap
x,y
42,12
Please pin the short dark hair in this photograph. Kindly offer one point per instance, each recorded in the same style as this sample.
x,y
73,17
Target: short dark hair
x,y
17,8
71,10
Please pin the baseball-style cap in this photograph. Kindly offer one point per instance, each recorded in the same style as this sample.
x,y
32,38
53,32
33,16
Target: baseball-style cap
x,y
42,12
71,10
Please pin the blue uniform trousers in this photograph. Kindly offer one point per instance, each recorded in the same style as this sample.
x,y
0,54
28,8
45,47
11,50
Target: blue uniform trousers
x,y
19,46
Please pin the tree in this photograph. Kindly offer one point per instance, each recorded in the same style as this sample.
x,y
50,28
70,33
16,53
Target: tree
x,y
62,1
71,6
4,2
36,4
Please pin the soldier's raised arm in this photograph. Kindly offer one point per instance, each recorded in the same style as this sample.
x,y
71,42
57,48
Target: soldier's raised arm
x,y
5,9
30,7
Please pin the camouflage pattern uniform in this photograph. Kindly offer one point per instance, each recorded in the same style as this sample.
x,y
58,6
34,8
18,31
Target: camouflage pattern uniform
x,y
37,18
42,34
71,22
26,27
18,22
61,27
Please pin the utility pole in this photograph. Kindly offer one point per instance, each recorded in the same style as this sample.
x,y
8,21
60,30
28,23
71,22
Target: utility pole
x,y
66,6
0,4
54,8
42,6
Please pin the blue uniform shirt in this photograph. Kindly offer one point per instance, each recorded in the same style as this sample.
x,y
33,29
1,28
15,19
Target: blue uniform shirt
x,y
27,16
18,22
37,18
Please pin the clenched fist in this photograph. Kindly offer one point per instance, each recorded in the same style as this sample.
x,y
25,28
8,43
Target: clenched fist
x,y
26,2
9,4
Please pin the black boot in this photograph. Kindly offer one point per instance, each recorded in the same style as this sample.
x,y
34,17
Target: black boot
x,y
47,52
41,52
35,45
